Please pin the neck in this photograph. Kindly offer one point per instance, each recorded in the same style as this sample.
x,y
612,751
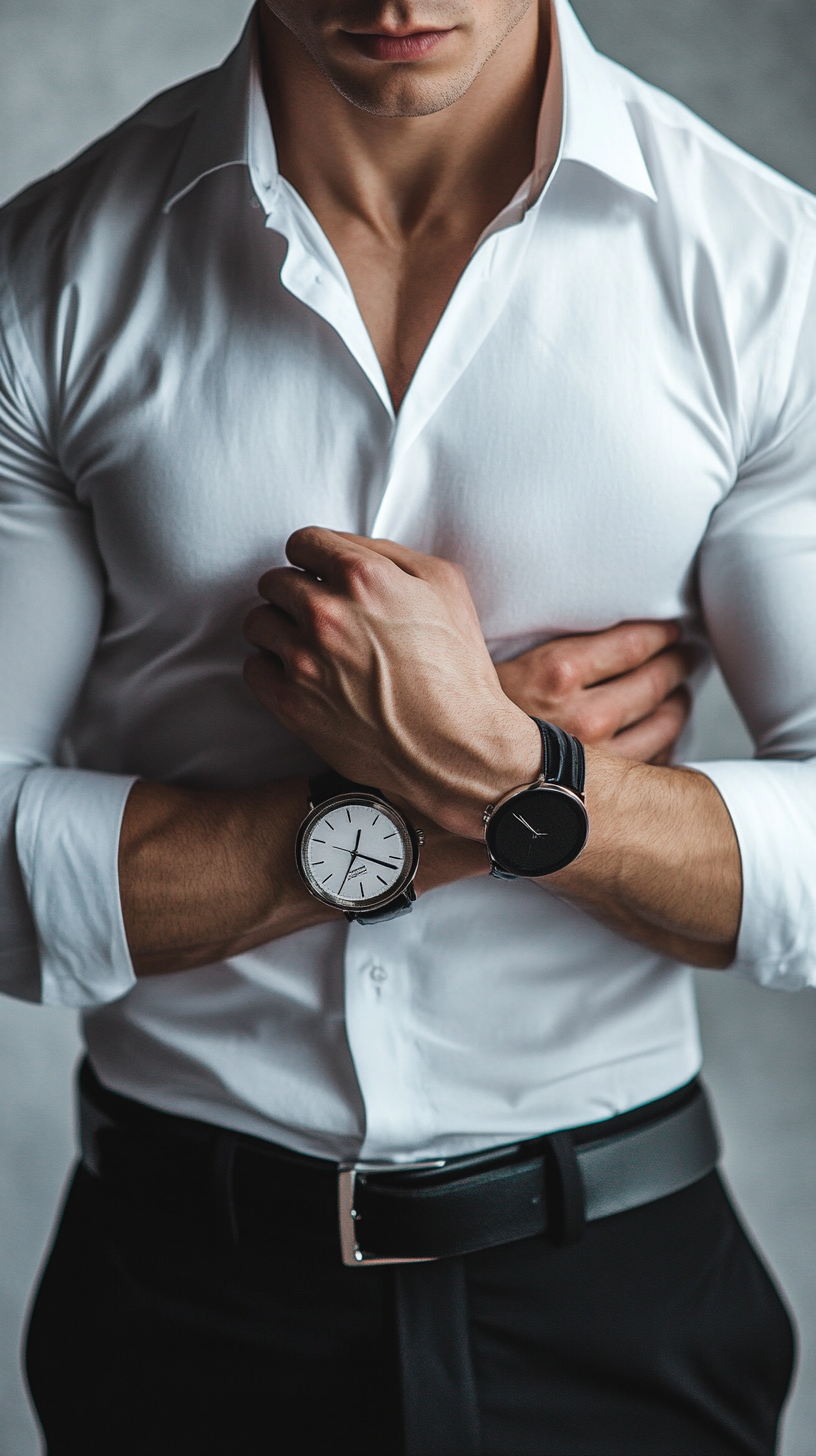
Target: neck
x,y
396,174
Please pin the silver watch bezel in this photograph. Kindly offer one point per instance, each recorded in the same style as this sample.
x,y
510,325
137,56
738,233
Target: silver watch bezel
x,y
540,783
408,836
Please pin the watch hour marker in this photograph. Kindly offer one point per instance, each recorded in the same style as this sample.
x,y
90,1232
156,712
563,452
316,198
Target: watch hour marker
x,y
390,836
362,891
348,816
382,881
328,877
374,820
319,862
330,826
318,841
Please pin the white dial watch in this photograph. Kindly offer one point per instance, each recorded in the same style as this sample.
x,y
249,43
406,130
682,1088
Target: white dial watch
x,y
356,852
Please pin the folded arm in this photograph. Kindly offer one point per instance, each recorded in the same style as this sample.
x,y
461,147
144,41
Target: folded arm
x,y
373,654
206,875
101,876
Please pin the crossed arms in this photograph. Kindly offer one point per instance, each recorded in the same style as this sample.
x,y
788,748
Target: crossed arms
x,y
373,655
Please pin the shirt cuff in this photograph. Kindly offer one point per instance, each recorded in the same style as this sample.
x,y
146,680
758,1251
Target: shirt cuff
x,y
773,809
68,823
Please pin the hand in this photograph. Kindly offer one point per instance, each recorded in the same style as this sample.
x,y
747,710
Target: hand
x,y
374,656
621,690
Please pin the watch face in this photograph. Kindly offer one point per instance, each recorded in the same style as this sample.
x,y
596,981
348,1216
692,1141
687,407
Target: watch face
x,y
356,852
538,831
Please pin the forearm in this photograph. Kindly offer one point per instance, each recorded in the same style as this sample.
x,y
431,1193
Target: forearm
x,y
662,864
204,875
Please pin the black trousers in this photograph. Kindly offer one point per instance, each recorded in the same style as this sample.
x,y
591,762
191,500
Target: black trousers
x,y
659,1334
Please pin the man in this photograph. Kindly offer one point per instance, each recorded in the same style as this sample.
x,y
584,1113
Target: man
x,y
531,346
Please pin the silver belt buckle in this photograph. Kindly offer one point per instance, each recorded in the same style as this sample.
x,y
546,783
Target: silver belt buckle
x,y
354,1257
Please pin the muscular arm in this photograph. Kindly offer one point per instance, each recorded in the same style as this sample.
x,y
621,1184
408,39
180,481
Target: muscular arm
x,y
204,875
662,865
374,655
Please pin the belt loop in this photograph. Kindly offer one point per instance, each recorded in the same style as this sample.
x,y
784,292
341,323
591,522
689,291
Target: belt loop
x,y
223,1165
566,1212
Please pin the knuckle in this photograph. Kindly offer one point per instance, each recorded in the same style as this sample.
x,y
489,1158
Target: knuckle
x,y
363,575
303,667
324,618
592,725
563,675
638,643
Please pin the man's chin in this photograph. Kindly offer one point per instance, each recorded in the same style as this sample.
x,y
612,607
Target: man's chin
x,y
402,93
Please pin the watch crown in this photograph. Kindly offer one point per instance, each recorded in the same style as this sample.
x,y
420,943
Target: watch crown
x,y
420,837
486,817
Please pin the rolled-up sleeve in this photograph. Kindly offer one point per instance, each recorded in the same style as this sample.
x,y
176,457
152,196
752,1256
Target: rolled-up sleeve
x,y
62,939
758,590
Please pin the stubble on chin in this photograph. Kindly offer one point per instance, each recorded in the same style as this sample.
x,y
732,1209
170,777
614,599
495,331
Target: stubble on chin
x,y
402,91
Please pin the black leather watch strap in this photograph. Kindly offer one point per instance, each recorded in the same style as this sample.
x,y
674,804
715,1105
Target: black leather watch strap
x,y
538,828
562,757
401,905
330,783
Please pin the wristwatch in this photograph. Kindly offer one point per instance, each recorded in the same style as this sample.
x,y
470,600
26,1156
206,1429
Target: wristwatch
x,y
356,852
541,827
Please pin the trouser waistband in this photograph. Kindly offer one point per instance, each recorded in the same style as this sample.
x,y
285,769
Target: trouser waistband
x,y
262,1193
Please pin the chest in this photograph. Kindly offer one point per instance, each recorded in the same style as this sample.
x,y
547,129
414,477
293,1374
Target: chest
x,y
562,439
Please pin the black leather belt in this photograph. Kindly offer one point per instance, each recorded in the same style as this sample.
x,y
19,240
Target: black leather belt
x,y
419,1212
547,1186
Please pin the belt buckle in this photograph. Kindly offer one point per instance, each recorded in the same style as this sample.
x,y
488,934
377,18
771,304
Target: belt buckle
x,y
354,1257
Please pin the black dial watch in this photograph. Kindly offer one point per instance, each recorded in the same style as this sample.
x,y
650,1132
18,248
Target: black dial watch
x,y
356,852
541,827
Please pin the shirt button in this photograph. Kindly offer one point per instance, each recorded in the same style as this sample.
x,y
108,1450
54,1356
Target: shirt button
x,y
378,974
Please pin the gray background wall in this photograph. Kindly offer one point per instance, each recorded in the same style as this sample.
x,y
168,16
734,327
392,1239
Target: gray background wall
x,y
71,68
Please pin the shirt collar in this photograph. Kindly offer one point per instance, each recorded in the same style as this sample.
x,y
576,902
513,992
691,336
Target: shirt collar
x,y
584,118
597,128
225,126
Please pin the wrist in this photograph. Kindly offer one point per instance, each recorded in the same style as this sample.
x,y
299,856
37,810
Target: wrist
x,y
509,755
539,827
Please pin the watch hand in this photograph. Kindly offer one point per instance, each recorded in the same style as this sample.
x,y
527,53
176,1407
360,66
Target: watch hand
x,y
388,865
534,832
351,861
372,860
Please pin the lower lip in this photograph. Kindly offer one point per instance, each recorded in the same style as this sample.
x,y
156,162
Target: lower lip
x,y
398,47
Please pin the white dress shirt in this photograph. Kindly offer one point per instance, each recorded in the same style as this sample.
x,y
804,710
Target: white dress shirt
x,y
615,418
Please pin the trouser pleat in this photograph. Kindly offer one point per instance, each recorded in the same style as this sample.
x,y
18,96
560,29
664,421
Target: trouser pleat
x,y
438,1387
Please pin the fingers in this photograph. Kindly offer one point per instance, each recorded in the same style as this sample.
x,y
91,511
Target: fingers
x,y
296,594
283,646
591,659
270,629
596,714
413,563
652,740
605,711
336,556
